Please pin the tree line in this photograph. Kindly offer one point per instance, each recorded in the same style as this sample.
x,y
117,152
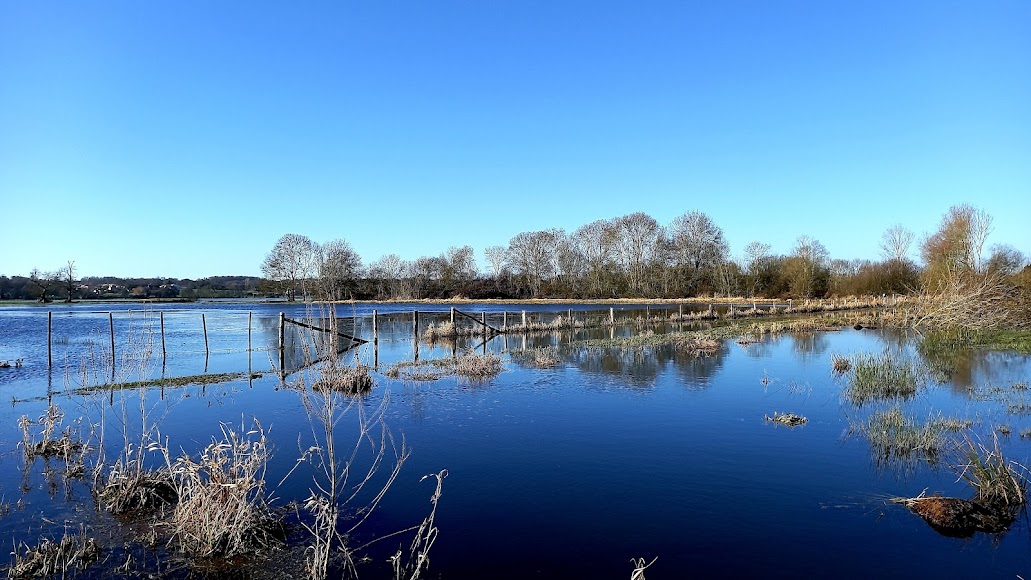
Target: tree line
x,y
634,256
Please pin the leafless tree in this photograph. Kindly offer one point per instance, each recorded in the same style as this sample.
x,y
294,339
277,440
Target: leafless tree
x,y
340,269
596,244
43,281
68,277
293,261
638,246
895,243
698,248
533,256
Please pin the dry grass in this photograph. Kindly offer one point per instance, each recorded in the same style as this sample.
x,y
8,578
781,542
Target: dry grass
x,y
840,364
995,480
478,366
222,509
697,345
468,365
356,380
788,419
542,358
68,446
49,558
425,535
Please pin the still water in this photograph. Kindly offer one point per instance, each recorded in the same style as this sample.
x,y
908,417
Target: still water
x,y
563,472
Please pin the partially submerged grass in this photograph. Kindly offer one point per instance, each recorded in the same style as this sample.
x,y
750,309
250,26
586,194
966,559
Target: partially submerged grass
x,y
222,509
893,435
788,419
697,345
204,379
999,493
467,365
74,551
995,480
356,380
68,446
542,358
841,364
879,377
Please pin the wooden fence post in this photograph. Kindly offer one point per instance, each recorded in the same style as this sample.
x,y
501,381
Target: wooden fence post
x,y
612,316
50,323
452,317
375,328
164,353
483,321
524,320
282,343
111,325
504,321
250,316
204,325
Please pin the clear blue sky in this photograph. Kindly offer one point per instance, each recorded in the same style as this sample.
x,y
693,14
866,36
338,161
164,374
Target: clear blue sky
x,y
184,138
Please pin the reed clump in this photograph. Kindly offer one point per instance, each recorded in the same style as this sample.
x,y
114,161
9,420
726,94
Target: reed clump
x,y
840,364
697,345
223,510
350,380
995,480
467,365
880,377
478,366
67,446
894,435
999,493
542,358
74,551
787,419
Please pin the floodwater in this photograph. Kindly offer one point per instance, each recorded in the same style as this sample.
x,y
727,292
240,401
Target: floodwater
x,y
570,471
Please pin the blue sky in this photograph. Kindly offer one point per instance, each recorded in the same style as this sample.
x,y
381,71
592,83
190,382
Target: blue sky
x,y
184,138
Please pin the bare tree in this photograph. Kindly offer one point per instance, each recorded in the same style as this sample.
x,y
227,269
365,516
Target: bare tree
x,y
340,269
293,261
68,277
532,255
43,281
390,271
698,249
497,260
596,244
808,267
895,243
955,250
639,236
459,267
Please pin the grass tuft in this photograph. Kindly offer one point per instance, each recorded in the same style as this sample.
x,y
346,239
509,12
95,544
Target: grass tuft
x,y
50,558
222,509
879,377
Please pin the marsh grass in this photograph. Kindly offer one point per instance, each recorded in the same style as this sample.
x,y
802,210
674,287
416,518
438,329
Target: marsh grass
x,y
349,380
881,377
893,436
542,358
425,535
49,558
468,365
787,419
840,364
697,345
996,481
68,446
222,509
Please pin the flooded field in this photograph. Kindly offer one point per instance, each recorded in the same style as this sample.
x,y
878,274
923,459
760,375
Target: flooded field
x,y
581,455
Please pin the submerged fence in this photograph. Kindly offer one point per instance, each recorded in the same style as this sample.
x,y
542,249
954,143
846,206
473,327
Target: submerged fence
x,y
291,342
